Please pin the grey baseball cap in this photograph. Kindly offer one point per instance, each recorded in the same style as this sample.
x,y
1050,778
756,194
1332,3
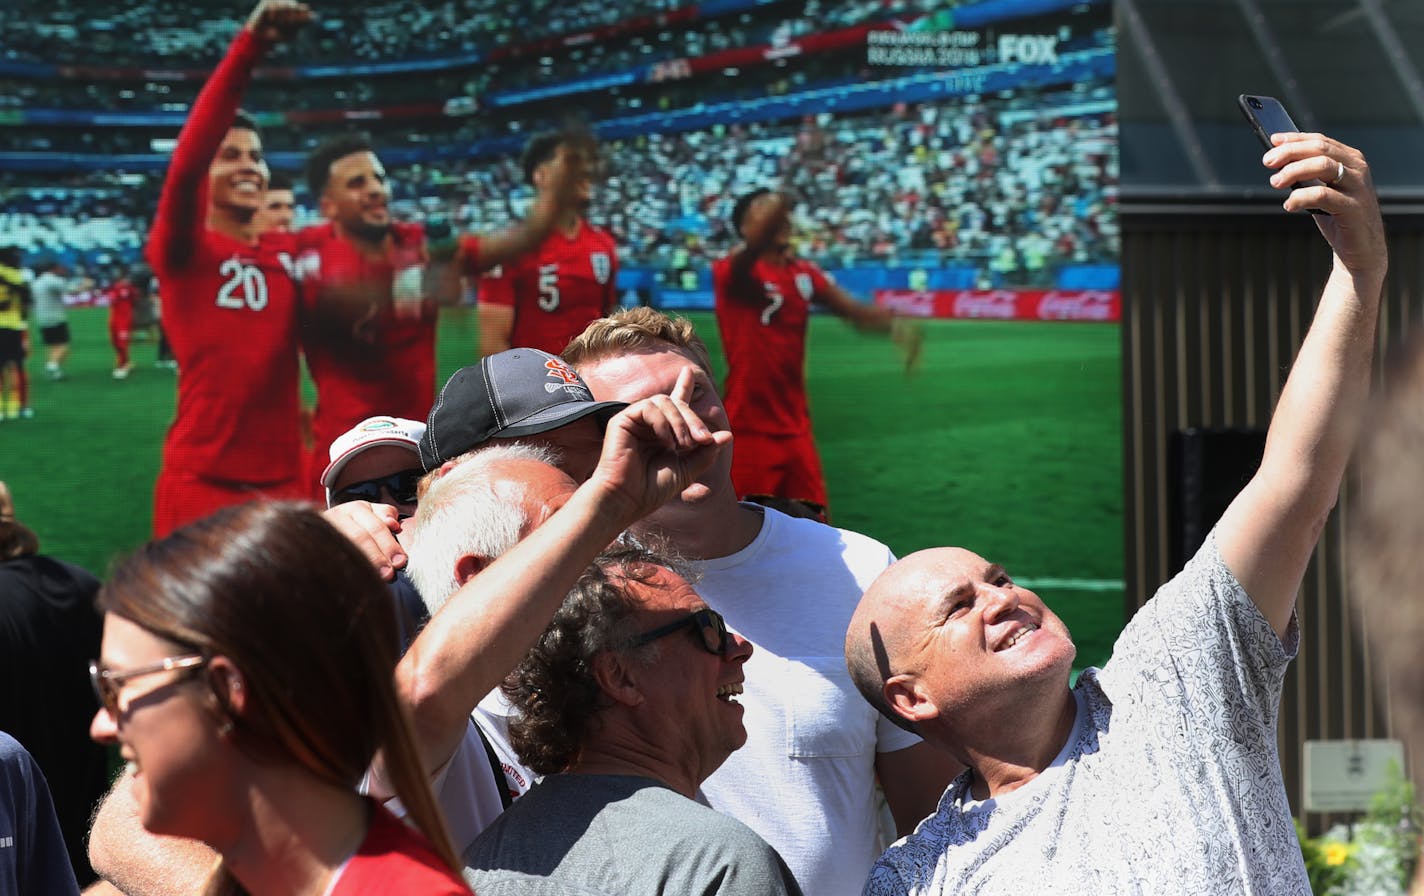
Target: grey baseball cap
x,y
519,392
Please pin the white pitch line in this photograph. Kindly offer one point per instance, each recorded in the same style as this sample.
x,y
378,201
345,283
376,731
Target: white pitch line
x,y
1074,584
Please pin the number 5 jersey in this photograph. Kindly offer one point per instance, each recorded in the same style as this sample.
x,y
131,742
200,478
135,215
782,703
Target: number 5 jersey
x,y
556,290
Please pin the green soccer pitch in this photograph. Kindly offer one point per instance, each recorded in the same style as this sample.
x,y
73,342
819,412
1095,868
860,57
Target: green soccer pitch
x,y
1007,440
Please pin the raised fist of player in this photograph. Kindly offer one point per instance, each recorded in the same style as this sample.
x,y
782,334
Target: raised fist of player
x,y
768,222
277,20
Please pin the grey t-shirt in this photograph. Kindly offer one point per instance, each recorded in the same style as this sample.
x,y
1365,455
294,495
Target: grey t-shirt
x,y
616,835
1169,783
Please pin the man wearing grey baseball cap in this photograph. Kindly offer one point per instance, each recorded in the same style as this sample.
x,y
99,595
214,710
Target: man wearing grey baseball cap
x,y
523,394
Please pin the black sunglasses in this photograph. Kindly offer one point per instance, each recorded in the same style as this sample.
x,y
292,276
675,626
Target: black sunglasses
x,y
401,486
708,622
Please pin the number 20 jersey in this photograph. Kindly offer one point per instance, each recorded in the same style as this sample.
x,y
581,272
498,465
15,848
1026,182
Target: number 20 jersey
x,y
230,313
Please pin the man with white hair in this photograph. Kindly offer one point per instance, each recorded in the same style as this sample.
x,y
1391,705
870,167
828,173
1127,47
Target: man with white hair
x,y
488,501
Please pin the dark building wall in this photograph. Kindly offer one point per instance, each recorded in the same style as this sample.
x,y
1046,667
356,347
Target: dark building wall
x,y
1216,301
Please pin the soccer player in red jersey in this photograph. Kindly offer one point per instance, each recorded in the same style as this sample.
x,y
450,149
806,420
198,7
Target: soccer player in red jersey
x,y
229,301
122,295
763,296
369,316
547,297
279,206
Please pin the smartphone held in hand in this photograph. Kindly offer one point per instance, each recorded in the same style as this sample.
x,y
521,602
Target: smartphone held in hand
x,y
1267,116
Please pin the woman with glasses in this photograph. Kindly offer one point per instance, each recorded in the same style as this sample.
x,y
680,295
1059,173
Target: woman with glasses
x,y
246,677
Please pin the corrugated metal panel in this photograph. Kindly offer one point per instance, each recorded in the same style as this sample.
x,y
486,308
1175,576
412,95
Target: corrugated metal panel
x,y
1216,302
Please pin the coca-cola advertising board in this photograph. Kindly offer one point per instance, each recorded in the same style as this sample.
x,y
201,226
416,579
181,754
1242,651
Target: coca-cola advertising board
x,y
1098,305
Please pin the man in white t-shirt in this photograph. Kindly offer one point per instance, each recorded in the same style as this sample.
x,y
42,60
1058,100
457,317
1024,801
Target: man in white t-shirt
x,y
484,504
806,778
49,289
1158,773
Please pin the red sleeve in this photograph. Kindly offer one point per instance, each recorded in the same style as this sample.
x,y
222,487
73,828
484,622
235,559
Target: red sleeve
x,y
312,236
470,255
182,208
497,284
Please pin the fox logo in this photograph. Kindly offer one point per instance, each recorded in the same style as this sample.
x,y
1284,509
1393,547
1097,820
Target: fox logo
x,y
568,379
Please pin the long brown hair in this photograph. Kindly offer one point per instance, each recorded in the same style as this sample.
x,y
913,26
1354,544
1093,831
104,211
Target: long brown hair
x,y
297,608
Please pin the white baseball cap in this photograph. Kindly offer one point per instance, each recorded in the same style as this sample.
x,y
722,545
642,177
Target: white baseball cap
x,y
370,433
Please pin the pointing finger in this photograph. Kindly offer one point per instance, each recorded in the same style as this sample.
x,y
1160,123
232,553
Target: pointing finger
x,y
682,389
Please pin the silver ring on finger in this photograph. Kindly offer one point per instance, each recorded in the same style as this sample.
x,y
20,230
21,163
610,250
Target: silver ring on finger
x,y
1339,175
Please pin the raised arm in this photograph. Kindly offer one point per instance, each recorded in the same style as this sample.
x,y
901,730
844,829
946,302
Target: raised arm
x,y
560,196
182,206
651,451
1268,533
861,315
767,218
473,254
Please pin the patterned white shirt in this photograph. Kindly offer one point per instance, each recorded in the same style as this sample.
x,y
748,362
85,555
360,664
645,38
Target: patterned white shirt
x,y
1170,782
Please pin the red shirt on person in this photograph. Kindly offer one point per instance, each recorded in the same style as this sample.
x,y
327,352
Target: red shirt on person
x,y
395,858
763,325
229,310
558,289
122,296
383,361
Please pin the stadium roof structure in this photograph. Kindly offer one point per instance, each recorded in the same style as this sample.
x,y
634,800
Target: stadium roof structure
x,y
1350,68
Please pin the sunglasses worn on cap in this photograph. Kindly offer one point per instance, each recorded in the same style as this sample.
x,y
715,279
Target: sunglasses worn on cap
x,y
709,624
401,486
107,682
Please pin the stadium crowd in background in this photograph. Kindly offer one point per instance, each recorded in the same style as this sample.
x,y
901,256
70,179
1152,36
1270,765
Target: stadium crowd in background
x,y
975,183
395,30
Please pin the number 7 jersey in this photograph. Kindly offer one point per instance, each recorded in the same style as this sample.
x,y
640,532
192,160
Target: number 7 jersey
x,y
763,325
